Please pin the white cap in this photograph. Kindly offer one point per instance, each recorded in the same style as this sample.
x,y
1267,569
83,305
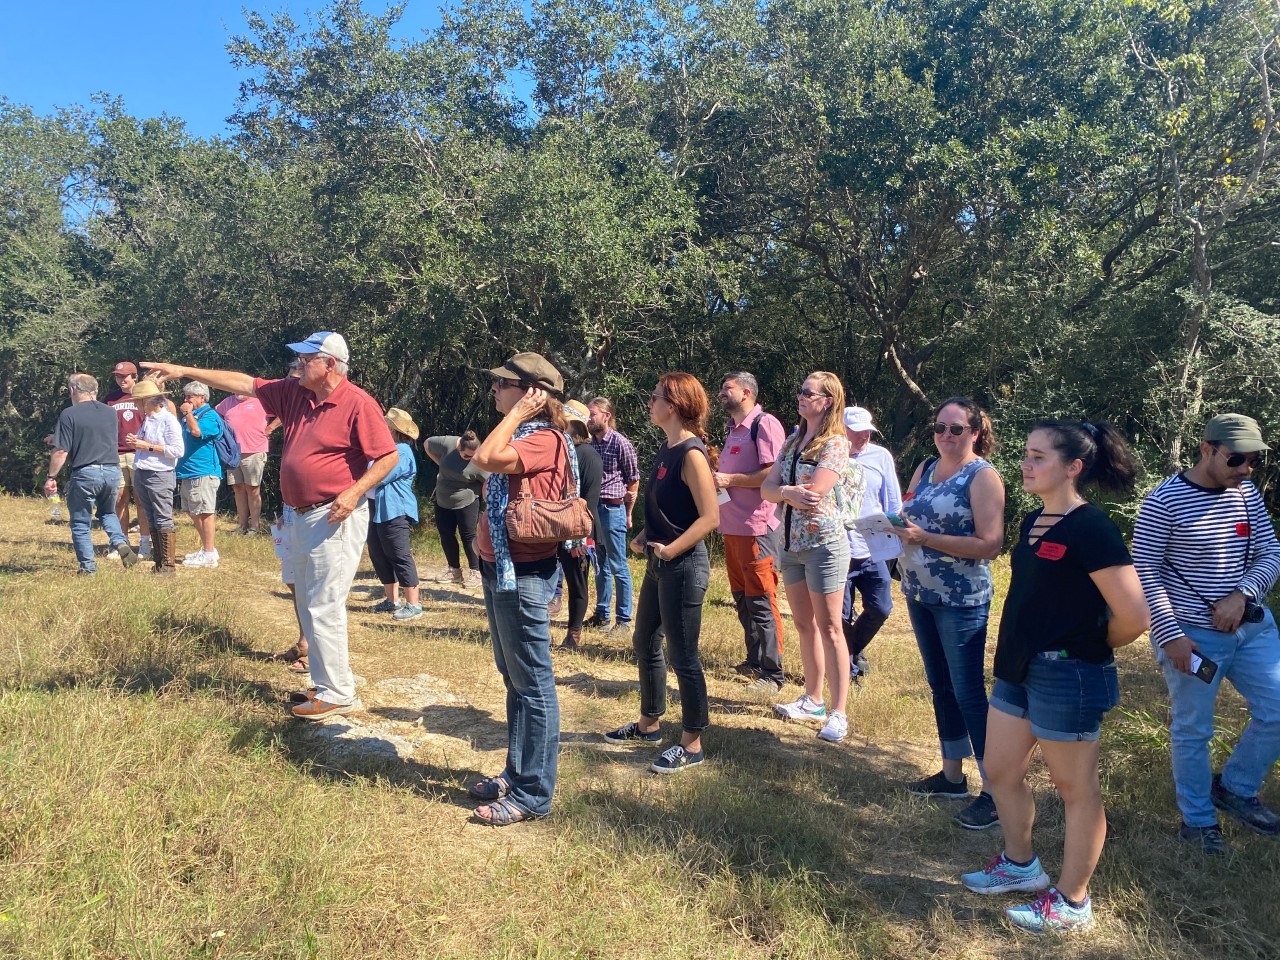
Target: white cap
x,y
858,419
330,344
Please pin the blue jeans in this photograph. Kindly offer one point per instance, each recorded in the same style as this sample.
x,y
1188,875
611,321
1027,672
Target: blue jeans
x,y
1250,659
953,646
611,542
521,633
671,597
1064,699
92,491
871,579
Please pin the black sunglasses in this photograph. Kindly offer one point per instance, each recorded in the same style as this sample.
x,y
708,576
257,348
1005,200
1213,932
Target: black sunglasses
x,y
810,394
956,429
504,382
1236,459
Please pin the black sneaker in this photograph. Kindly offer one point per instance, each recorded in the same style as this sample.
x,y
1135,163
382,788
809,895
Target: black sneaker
x,y
597,622
745,669
939,787
1248,810
980,814
631,733
675,759
1209,839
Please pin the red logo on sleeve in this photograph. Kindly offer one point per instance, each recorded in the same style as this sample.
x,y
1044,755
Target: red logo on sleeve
x,y
662,471
1051,551
1243,529
734,451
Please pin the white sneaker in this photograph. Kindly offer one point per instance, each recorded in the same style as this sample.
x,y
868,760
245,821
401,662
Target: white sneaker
x,y
802,709
472,578
835,729
193,556
206,561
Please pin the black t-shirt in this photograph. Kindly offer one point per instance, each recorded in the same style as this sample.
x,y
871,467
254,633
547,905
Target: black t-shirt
x,y
590,473
1052,602
669,509
87,431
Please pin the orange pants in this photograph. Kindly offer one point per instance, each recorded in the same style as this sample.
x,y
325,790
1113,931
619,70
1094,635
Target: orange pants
x,y
753,580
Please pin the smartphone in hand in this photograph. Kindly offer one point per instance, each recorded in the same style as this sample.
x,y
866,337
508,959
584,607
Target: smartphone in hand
x,y
1203,667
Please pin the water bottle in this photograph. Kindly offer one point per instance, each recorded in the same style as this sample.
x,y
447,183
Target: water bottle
x,y
55,507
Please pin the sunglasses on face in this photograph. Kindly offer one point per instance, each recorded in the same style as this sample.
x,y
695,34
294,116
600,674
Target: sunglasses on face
x,y
503,382
808,394
956,429
657,396
1252,460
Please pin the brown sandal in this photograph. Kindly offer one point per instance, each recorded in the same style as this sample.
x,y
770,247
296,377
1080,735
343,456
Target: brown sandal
x,y
299,666
289,656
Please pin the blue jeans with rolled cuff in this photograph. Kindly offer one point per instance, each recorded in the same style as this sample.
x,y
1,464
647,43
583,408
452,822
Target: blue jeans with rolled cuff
x,y
953,645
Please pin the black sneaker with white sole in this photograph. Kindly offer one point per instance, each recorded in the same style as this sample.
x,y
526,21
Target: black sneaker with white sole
x,y
938,787
980,814
631,733
675,759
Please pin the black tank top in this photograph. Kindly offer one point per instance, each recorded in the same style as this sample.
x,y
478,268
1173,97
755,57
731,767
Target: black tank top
x,y
669,509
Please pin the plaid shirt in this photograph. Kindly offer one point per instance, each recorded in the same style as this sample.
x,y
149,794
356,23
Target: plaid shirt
x,y
620,465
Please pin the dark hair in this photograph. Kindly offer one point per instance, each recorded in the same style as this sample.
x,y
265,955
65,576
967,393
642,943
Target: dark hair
x,y
1108,461
984,435
686,395
578,430
469,441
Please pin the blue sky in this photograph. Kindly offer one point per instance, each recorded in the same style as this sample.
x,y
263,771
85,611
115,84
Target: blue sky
x,y
161,57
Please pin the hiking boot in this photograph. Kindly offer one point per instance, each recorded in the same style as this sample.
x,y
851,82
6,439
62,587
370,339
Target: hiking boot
x,y
1051,913
127,556
939,787
571,640
1248,810
631,733
387,605
803,709
1002,875
675,759
597,622
407,611
449,576
555,606
745,669
1209,839
471,578
980,814
835,729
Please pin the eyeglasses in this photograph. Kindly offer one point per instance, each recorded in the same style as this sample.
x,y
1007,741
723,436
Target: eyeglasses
x,y
657,396
956,429
1252,460
313,357
807,394
502,383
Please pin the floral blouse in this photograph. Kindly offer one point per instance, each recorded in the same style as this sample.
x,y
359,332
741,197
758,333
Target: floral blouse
x,y
802,530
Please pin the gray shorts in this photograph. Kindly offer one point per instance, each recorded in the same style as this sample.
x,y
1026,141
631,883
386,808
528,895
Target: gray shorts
x,y
250,470
824,568
200,494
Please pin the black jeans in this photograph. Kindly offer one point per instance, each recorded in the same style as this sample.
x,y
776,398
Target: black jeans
x,y
671,604
389,550
575,584
463,523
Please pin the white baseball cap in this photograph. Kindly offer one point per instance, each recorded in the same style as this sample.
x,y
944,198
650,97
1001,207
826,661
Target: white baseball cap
x,y
858,419
326,342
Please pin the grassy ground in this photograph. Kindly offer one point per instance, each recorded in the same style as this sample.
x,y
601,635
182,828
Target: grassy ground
x,y
157,802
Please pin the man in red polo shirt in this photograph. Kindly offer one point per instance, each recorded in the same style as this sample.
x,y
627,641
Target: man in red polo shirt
x,y
336,448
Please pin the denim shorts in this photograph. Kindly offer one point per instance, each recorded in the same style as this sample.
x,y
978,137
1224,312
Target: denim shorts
x,y
823,568
1064,698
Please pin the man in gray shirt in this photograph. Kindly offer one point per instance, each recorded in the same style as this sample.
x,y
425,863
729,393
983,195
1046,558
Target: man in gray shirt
x,y
85,440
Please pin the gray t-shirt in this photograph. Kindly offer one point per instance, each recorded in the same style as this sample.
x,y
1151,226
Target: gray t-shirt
x,y
87,431
459,482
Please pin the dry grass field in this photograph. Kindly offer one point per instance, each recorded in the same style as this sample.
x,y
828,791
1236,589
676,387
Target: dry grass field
x,y
157,802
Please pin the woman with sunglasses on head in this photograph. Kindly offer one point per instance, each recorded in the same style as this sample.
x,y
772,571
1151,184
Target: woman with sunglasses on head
x,y
680,509
527,451
815,558
1073,597
952,527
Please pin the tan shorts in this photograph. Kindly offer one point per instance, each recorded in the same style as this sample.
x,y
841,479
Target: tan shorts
x,y
126,471
200,494
250,470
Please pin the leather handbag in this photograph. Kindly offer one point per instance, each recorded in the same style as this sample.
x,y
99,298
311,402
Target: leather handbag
x,y
530,520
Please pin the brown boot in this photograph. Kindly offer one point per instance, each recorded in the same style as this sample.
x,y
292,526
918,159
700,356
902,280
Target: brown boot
x,y
164,545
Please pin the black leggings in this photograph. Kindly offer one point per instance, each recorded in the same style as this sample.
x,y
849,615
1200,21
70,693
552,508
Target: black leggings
x,y
575,585
389,550
463,522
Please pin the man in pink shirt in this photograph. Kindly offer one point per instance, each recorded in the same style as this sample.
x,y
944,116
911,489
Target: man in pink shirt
x,y
246,417
749,525
337,446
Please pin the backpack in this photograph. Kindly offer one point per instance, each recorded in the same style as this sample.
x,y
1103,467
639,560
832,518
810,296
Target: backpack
x,y
849,491
227,446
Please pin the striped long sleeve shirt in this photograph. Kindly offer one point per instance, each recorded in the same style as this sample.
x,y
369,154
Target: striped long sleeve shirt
x,y
1193,545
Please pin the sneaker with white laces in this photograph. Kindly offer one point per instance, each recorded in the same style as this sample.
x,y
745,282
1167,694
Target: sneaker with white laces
x,y
677,758
1002,875
803,709
203,560
193,556
1050,913
407,611
835,729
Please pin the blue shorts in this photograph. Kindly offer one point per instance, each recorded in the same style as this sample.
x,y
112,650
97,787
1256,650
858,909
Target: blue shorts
x,y
1064,698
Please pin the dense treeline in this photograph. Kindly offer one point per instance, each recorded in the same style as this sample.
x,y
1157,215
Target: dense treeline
x,y
1057,206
